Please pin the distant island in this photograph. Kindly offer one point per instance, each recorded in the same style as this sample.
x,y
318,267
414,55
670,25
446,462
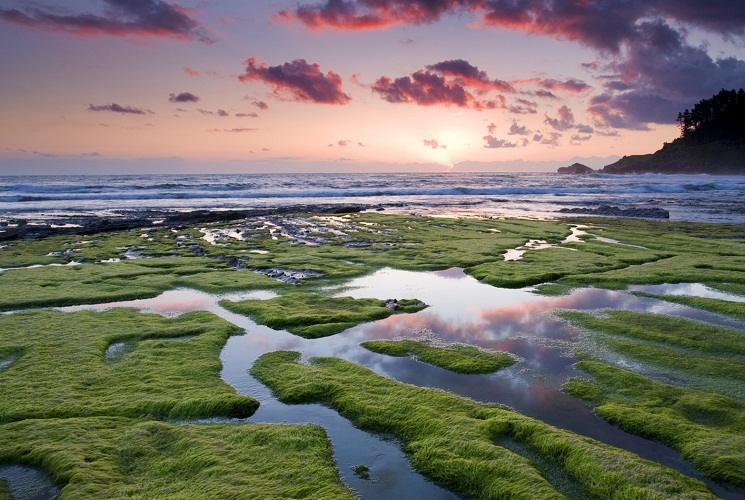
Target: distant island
x,y
712,141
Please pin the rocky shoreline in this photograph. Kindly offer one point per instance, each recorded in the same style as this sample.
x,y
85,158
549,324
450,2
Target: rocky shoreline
x,y
611,211
20,228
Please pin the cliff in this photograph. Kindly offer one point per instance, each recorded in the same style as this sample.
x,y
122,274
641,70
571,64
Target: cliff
x,y
680,157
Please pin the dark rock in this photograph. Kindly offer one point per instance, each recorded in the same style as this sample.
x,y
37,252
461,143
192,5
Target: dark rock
x,y
288,276
576,168
197,249
609,211
237,263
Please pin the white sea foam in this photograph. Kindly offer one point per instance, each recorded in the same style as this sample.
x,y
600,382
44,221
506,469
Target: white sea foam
x,y
687,197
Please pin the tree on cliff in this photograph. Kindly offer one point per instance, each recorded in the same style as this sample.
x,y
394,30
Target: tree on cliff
x,y
720,118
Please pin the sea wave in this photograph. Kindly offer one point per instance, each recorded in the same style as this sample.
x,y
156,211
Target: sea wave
x,y
494,192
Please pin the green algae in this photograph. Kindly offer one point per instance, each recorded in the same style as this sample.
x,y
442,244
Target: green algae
x,y
547,462
110,457
457,358
117,281
62,371
707,428
344,247
455,442
678,344
313,316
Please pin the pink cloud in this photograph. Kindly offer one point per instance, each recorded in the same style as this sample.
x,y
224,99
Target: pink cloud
x,y
447,83
297,81
431,143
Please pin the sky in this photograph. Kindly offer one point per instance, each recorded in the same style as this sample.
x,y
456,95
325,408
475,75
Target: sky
x,y
153,86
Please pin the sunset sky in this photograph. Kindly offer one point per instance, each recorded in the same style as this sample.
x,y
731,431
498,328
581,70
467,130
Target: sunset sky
x,y
137,86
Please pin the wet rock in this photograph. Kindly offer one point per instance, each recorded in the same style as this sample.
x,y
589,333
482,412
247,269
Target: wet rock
x,y
67,254
237,263
197,249
391,304
134,219
287,275
610,211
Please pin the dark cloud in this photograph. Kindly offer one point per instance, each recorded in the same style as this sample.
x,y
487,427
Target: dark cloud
x,y
578,139
448,83
469,76
222,112
494,143
491,128
602,25
563,121
431,143
246,115
368,14
149,18
183,97
260,104
423,88
297,81
118,108
643,43
659,75
546,94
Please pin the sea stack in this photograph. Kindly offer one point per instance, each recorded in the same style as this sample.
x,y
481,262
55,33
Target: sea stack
x,y
576,168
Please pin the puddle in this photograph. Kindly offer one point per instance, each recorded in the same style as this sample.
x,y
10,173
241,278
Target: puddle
x,y
517,253
616,242
461,310
28,483
690,289
6,362
34,266
175,302
116,350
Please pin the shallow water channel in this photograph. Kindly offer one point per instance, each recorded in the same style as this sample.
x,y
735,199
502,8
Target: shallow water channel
x,y
460,310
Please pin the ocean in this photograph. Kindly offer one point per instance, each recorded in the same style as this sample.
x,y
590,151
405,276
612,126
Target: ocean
x,y
698,198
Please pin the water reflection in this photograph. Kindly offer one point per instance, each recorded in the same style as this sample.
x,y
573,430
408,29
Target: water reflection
x,y
461,310
28,483
690,289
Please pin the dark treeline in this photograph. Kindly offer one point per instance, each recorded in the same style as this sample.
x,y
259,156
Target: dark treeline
x,y
721,117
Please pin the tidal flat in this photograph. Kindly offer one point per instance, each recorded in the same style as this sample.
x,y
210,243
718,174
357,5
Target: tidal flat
x,y
274,357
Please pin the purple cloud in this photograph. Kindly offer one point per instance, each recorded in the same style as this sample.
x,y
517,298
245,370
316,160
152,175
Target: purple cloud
x,y
183,97
494,143
297,81
117,108
447,83
516,129
564,120
147,18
